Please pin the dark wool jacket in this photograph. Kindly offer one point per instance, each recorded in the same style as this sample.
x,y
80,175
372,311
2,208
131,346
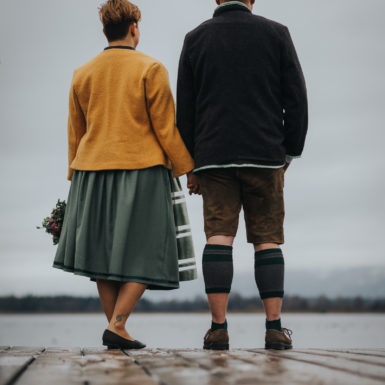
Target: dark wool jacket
x,y
241,94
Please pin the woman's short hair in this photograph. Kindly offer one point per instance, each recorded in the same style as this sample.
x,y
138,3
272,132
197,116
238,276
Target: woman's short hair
x,y
117,16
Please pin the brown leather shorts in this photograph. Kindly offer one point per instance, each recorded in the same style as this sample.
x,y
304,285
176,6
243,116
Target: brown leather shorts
x,y
258,190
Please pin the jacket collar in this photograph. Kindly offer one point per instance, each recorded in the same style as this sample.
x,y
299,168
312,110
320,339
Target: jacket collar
x,y
231,7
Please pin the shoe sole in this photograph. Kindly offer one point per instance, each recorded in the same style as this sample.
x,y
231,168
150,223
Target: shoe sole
x,y
216,347
278,346
109,346
112,346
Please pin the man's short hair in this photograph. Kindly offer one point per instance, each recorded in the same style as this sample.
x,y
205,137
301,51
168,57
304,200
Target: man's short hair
x,y
117,16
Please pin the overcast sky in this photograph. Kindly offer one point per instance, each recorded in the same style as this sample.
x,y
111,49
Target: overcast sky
x,y
334,195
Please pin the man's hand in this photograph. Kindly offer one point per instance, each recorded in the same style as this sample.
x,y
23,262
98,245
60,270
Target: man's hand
x,y
193,184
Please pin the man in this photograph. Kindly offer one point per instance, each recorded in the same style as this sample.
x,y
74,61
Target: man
x,y
242,113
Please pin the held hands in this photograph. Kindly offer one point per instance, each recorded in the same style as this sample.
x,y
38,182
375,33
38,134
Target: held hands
x,y
193,184
286,167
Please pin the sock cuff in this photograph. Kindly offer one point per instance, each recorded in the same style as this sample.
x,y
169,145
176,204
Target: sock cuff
x,y
269,257
276,324
267,252
218,253
217,247
276,320
216,326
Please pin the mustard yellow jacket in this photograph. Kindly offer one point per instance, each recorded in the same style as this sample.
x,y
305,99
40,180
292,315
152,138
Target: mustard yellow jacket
x,y
122,115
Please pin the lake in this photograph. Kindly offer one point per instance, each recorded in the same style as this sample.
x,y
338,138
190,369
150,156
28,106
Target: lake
x,y
186,330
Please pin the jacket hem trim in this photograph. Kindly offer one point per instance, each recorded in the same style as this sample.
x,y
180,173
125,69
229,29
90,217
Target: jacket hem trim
x,y
236,165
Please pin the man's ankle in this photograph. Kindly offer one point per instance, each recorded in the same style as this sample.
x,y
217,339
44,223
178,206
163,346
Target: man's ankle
x,y
275,324
216,326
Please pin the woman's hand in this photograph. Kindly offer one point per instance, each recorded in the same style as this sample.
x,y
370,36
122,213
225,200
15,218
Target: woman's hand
x,y
193,184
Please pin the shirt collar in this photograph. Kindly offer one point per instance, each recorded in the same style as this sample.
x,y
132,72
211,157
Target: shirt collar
x,y
232,3
120,46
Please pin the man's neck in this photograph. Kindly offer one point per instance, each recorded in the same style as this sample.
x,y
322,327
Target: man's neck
x,y
129,41
224,4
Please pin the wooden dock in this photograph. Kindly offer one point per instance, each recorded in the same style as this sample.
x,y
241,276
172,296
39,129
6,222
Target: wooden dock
x,y
98,366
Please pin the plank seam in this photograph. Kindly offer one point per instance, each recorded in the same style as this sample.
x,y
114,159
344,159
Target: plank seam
x,y
18,374
208,369
335,355
144,368
83,354
357,353
202,366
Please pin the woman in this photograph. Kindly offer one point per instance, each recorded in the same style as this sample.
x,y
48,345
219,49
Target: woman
x,y
119,227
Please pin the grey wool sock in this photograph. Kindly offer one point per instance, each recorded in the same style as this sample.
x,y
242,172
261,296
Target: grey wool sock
x,y
217,267
269,269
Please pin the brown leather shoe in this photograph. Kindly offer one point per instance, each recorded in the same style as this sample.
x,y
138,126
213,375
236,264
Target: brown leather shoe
x,y
275,339
216,340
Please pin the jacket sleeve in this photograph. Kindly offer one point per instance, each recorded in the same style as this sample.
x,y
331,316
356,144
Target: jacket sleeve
x,y
161,107
294,96
76,127
185,111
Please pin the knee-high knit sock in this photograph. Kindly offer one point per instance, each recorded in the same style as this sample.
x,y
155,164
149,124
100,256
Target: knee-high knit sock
x,y
218,268
269,269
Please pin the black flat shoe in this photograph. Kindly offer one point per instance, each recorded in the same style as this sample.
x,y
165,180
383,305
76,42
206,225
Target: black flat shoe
x,y
115,341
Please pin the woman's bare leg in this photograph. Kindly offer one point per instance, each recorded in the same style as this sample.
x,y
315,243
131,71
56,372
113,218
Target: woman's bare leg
x,y
128,296
108,294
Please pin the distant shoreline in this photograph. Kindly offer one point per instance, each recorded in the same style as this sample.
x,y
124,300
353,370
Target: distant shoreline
x,y
352,312
237,304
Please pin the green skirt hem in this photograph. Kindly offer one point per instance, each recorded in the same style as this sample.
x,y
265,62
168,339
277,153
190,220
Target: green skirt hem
x,y
153,284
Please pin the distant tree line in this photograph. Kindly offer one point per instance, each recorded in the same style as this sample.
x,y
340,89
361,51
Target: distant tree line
x,y
58,304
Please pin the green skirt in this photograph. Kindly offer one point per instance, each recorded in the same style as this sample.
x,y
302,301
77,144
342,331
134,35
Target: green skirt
x,y
127,226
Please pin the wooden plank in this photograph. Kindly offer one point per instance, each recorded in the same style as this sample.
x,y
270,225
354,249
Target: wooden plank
x,y
368,359
99,366
25,349
59,366
11,367
245,367
364,370
13,362
167,367
227,368
91,366
113,367
364,352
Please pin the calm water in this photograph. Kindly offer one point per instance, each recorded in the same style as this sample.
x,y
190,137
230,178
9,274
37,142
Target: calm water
x,y
187,330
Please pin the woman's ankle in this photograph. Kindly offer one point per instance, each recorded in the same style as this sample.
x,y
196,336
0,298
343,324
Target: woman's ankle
x,y
118,322
120,331
117,328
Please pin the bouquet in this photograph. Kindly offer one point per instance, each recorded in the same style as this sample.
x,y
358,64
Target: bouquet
x,y
54,223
